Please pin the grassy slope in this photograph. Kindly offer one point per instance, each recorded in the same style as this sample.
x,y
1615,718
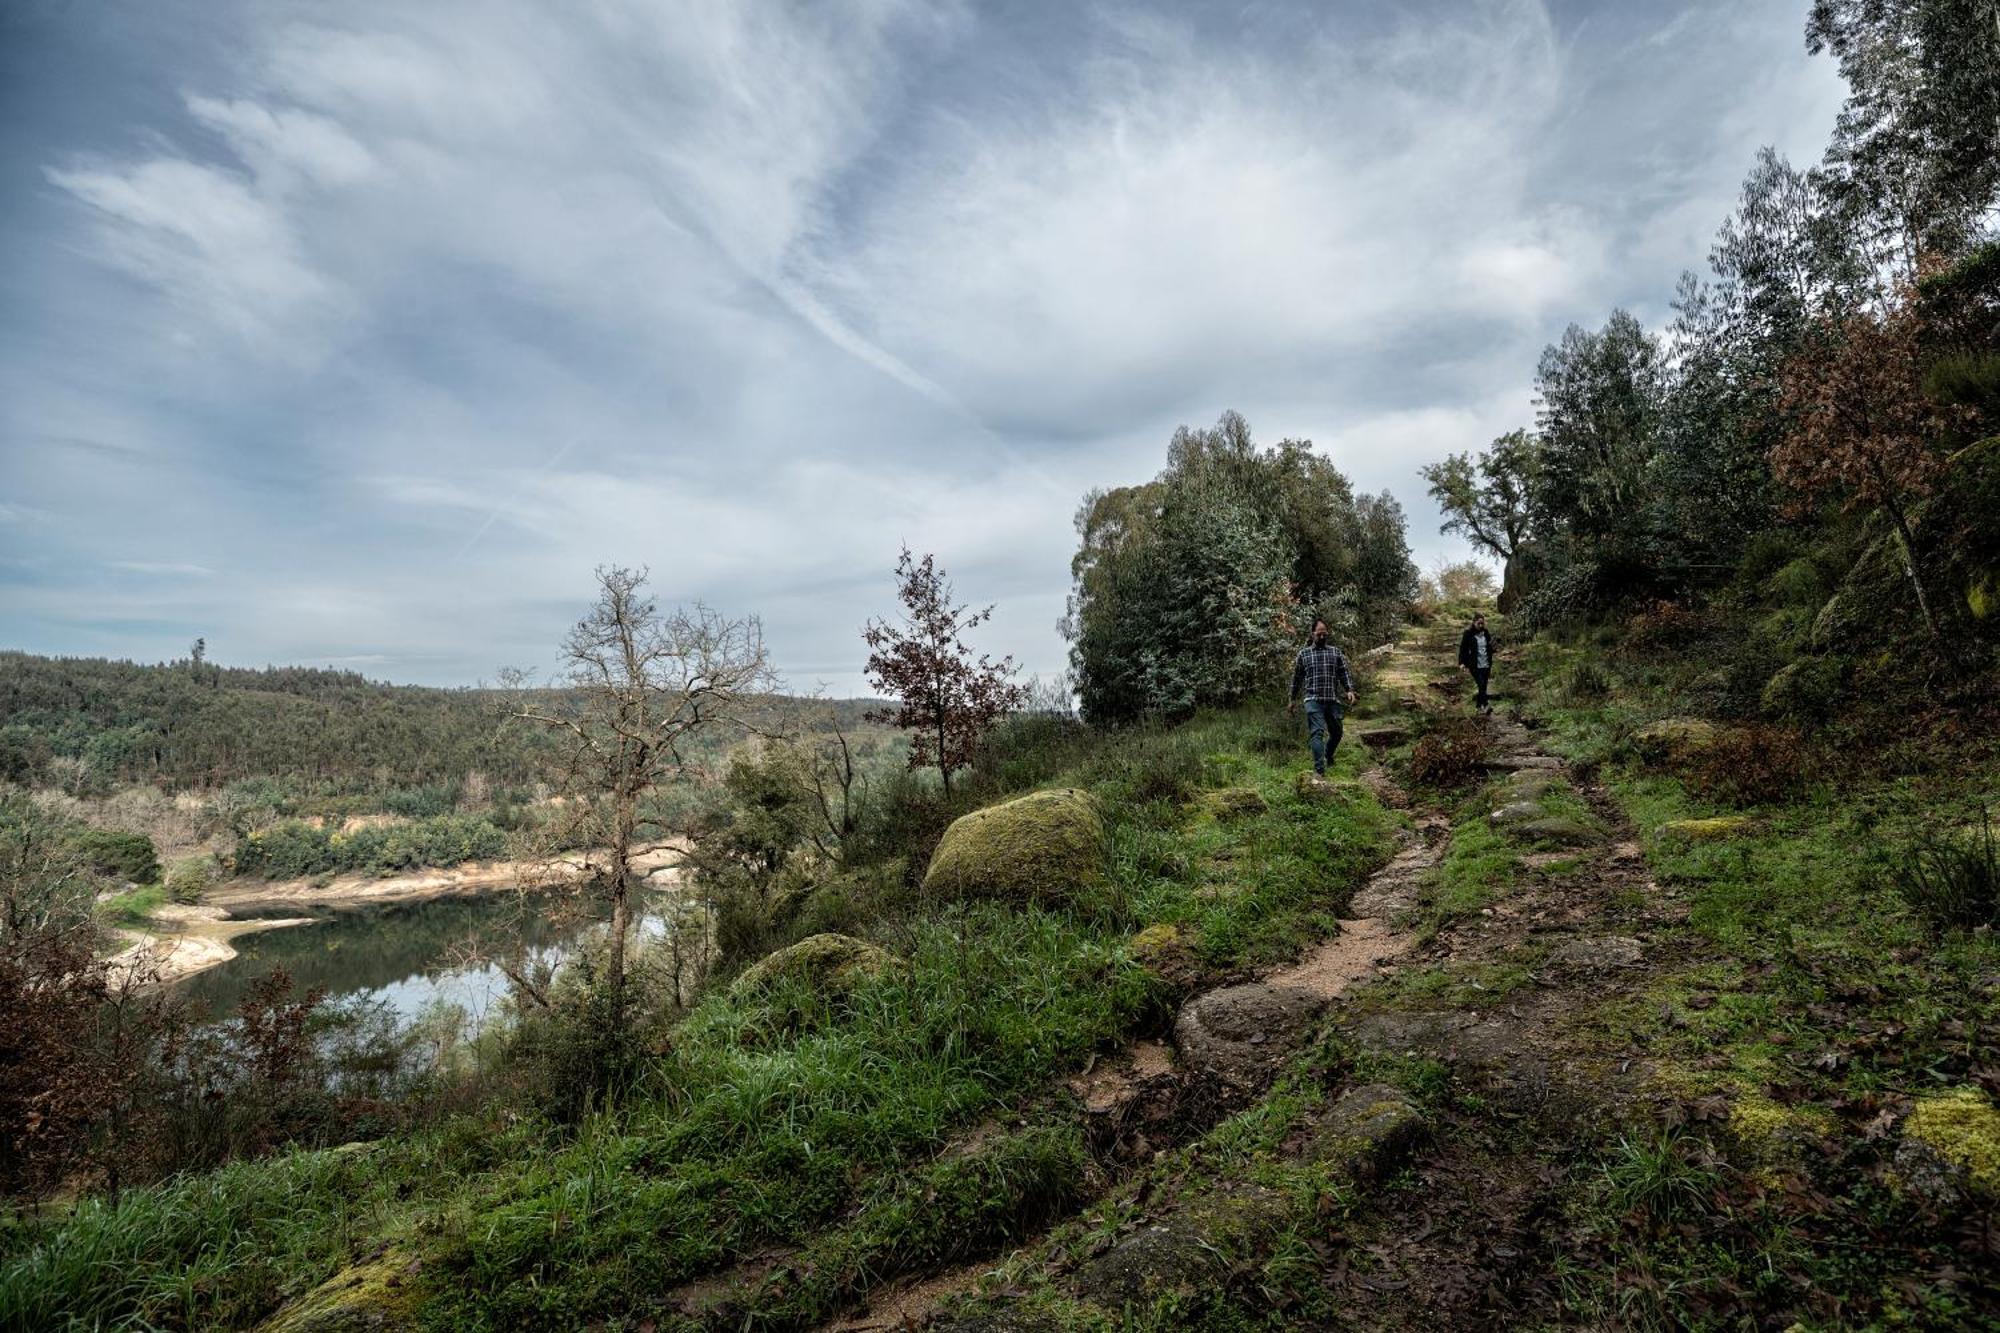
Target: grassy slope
x,y
1811,1002
782,1123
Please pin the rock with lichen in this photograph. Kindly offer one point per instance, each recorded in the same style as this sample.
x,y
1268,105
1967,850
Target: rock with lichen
x,y
1672,738
379,1296
1233,803
1951,1144
1045,847
831,964
1707,830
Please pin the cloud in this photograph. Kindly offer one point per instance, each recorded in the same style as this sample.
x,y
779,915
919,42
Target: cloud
x,y
413,314
163,568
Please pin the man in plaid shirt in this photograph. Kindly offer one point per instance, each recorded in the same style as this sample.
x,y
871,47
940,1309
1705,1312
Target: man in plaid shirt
x,y
1321,674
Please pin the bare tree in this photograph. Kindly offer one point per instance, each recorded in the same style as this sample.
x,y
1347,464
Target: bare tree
x,y
640,686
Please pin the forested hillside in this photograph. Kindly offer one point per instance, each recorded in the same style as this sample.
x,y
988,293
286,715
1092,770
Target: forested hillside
x,y
1663,995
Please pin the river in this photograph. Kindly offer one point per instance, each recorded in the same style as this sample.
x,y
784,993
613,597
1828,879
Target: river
x,y
401,955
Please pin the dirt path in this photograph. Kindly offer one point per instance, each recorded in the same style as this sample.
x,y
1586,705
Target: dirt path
x,y
1459,1243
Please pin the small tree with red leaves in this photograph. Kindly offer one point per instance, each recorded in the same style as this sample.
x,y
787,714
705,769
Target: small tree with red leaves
x,y
1861,427
947,699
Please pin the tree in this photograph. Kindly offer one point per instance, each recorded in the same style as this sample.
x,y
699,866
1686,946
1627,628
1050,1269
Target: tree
x,y
1861,426
946,699
1487,500
1915,155
641,686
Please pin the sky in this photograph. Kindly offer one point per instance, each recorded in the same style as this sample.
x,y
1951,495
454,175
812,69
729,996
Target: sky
x,y
360,334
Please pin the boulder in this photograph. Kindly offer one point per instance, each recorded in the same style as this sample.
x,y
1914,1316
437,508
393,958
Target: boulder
x,y
1316,790
1808,689
1516,812
831,964
1368,1130
1182,1254
1234,803
1239,1033
1707,830
1042,848
379,1296
1384,737
1672,738
1526,784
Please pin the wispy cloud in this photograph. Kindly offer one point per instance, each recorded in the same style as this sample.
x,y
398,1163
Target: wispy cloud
x,y
416,313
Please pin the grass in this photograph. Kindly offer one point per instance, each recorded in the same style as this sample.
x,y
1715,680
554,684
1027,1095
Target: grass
x,y
1814,998
134,907
816,1126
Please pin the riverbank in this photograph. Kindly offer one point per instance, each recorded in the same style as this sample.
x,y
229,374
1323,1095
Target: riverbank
x,y
184,940
193,938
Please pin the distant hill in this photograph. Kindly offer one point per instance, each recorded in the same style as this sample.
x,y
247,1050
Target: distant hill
x,y
194,724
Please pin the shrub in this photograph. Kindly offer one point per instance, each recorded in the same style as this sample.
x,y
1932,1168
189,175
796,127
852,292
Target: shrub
x,y
1953,879
1665,625
190,877
1586,680
1450,755
1754,765
126,856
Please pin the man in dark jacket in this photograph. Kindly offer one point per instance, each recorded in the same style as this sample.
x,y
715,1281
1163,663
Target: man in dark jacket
x,y
1475,654
1320,674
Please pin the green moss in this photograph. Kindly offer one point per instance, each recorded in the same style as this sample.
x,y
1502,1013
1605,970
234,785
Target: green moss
x,y
832,964
1234,803
1962,1127
1982,594
1044,847
1707,830
1769,1129
1155,940
375,1297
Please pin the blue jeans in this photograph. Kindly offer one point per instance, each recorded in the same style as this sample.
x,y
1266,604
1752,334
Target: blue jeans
x,y
1323,731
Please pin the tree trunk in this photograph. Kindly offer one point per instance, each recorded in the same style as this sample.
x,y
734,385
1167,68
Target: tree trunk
x,y
1910,560
621,902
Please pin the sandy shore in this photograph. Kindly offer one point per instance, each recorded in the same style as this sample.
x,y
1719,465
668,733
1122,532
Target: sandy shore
x,y
191,939
472,879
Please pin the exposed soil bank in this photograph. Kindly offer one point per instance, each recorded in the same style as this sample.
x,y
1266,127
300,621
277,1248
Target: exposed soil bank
x,y
656,863
191,939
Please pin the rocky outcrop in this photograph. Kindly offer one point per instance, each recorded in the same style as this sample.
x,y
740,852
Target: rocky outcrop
x,y
831,964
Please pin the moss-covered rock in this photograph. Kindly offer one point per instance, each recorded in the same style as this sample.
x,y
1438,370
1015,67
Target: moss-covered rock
x,y
1041,848
1672,738
831,964
1707,830
1234,803
1516,812
1558,829
1157,940
1316,790
1807,688
379,1296
1962,1128
1982,593
1367,1131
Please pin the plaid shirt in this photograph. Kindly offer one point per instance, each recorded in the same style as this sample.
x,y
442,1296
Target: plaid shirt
x,y
1323,674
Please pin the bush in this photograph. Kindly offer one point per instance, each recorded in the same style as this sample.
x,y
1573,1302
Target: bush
x,y
125,856
190,877
1450,755
1755,765
294,848
1953,879
1586,680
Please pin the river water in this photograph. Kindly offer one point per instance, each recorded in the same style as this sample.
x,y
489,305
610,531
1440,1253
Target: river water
x,y
402,955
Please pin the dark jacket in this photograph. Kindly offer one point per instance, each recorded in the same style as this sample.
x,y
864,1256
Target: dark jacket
x,y
1468,652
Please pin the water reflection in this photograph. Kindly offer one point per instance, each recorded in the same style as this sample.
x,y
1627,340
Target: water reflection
x,y
401,955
